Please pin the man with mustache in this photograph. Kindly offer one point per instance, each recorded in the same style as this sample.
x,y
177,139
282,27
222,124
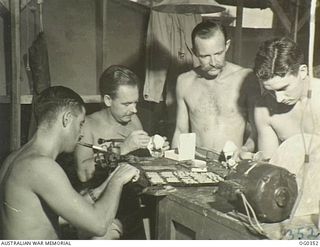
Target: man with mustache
x,y
119,88
215,100
117,120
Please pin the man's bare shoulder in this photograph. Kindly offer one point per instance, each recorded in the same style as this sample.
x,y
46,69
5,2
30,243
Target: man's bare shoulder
x,y
187,77
235,68
94,122
43,171
40,174
94,118
186,81
30,166
245,78
241,76
46,166
35,161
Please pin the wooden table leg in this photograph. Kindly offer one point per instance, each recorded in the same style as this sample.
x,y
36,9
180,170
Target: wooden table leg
x,y
162,220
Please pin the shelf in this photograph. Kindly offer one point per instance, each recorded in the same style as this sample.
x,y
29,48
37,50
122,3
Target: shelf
x,y
27,99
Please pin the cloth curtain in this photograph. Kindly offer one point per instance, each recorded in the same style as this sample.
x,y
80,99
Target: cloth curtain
x,y
169,53
39,64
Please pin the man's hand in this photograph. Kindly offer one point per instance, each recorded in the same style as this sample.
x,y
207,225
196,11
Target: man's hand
x,y
136,140
157,145
243,154
125,173
166,145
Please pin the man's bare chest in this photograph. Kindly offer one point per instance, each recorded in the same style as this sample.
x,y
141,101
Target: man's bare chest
x,y
300,119
216,102
107,132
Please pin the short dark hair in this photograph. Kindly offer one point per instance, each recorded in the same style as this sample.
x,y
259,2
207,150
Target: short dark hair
x,y
55,99
115,76
278,57
207,29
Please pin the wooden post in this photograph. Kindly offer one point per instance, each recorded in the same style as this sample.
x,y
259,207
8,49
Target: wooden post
x,y
101,39
278,10
296,22
15,118
238,34
5,15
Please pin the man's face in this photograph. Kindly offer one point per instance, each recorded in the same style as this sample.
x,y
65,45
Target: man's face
x,y
211,53
124,105
75,130
286,90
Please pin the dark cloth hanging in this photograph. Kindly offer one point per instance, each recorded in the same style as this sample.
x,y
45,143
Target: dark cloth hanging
x,y
168,54
39,64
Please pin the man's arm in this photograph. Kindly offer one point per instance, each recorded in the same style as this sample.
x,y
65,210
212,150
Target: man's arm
x,y
84,157
137,139
49,182
182,121
250,142
252,94
268,140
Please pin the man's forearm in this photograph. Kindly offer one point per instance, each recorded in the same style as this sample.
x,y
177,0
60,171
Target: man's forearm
x,y
175,139
96,192
109,201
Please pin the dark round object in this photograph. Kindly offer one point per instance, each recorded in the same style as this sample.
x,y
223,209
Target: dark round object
x,y
270,190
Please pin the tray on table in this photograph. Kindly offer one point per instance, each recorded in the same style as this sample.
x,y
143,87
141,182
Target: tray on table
x,y
157,172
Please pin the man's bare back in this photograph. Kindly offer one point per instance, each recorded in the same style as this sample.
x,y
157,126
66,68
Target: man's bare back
x,y
217,108
35,190
24,214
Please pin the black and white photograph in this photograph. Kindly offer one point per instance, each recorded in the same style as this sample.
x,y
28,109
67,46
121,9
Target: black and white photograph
x,y
159,120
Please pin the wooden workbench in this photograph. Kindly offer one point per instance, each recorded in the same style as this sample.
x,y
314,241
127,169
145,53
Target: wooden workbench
x,y
193,212
197,213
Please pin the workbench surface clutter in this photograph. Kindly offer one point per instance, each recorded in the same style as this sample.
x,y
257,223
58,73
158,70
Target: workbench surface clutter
x,y
163,171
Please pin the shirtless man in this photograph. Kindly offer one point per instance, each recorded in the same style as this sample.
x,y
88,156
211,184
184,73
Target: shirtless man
x,y
214,97
290,103
118,120
119,88
34,188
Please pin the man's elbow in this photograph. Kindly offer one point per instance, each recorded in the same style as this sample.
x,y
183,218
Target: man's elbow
x,y
101,226
100,230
